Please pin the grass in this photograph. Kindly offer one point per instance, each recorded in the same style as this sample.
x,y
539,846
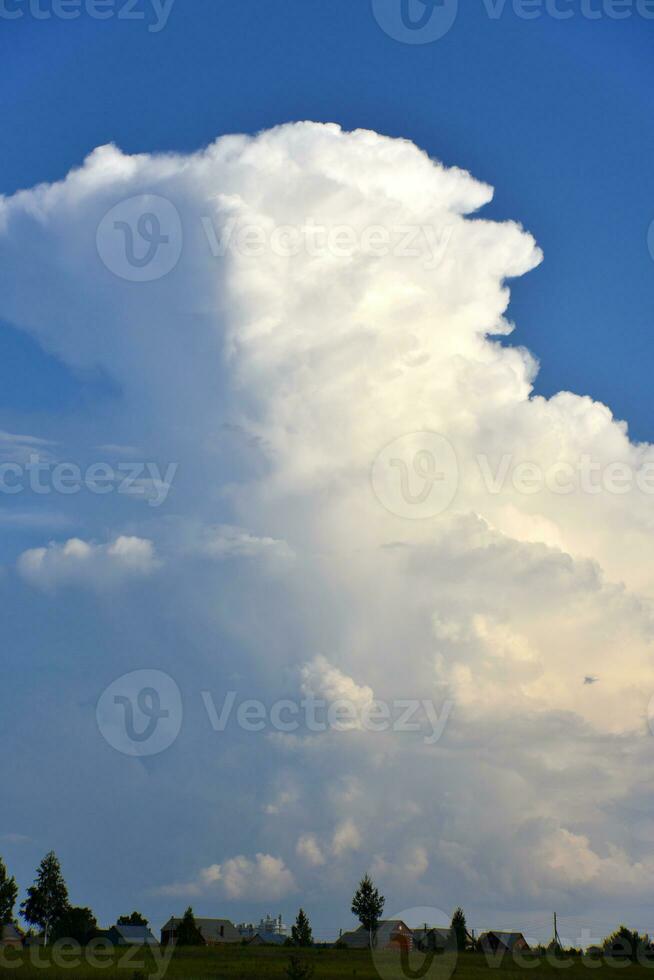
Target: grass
x,y
266,963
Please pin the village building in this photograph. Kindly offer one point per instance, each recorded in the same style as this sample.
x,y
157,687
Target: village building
x,y
267,939
214,932
498,941
390,934
11,937
436,938
130,936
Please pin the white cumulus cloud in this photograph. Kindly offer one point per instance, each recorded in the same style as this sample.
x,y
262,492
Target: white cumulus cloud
x,y
372,308
87,564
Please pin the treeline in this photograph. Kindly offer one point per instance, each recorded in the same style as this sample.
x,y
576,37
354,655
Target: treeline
x,y
47,907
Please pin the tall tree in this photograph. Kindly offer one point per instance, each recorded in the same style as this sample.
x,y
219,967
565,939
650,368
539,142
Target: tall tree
x,y
8,895
459,928
188,933
47,898
135,919
368,905
301,932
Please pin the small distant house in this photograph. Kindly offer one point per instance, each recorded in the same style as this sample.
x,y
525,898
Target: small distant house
x,y
390,934
130,936
435,939
214,932
11,937
502,942
267,939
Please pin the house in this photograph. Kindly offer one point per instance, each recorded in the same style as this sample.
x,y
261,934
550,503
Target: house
x,y
130,936
435,939
10,936
267,939
214,932
502,942
390,934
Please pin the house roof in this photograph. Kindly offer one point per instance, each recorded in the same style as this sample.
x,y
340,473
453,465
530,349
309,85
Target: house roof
x,y
508,939
359,938
269,938
210,928
135,934
442,931
10,933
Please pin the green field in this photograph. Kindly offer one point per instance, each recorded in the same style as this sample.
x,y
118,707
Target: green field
x,y
243,963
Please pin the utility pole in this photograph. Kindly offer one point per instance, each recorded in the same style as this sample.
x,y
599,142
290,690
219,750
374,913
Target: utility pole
x,y
557,939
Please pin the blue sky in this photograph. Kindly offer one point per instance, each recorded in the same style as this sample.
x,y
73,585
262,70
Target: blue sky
x,y
554,114
268,570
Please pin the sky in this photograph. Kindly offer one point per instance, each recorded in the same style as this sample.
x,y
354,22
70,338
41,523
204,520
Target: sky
x,y
273,523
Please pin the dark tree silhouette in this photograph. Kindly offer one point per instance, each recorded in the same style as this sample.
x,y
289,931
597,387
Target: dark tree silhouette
x,y
8,895
47,898
459,929
301,931
188,933
76,923
368,905
135,919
